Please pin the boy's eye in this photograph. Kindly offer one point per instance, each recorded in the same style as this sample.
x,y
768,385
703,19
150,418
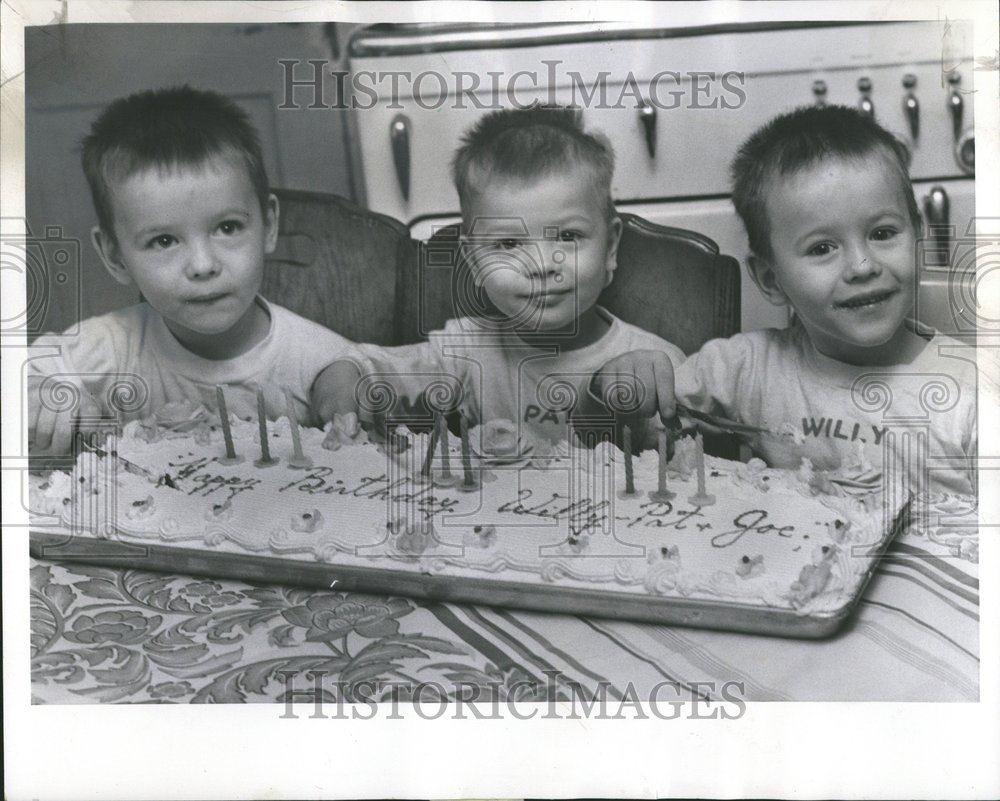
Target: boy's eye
x,y
884,233
230,227
569,236
821,249
161,242
508,244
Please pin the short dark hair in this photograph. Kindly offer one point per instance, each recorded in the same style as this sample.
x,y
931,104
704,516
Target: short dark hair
x,y
798,139
525,143
166,128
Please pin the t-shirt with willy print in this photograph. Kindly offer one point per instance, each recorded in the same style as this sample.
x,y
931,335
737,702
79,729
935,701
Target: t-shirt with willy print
x,y
921,415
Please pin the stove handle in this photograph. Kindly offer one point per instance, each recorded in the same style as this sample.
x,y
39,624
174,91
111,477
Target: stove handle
x,y
865,103
956,106
647,116
911,106
399,138
937,210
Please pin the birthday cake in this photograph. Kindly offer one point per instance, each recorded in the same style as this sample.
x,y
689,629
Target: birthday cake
x,y
487,507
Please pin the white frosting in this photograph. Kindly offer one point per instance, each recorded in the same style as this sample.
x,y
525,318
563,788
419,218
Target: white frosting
x,y
556,518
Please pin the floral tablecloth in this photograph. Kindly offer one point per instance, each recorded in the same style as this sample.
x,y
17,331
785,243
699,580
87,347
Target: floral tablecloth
x,y
110,635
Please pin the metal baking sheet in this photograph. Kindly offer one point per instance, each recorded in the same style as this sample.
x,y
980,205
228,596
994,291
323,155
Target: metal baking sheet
x,y
61,545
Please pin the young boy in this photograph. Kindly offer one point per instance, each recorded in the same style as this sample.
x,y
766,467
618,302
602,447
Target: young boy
x,y
833,224
540,235
185,215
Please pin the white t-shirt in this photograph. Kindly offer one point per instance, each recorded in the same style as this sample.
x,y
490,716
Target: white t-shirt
x,y
132,349
502,377
777,379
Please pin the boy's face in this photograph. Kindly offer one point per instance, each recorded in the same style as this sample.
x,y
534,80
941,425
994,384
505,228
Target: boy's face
x,y
843,250
543,250
193,239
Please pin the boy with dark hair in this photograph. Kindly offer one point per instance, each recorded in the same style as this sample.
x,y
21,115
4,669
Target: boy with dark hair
x,y
540,236
186,216
827,202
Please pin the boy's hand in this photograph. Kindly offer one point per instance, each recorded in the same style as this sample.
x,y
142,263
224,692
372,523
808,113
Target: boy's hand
x,y
344,430
637,385
334,392
50,429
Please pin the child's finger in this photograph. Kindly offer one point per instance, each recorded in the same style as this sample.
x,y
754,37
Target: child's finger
x,y
645,391
663,380
331,441
620,395
45,425
347,424
62,433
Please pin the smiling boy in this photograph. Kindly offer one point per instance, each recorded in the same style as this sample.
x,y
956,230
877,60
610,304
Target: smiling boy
x,y
185,215
540,237
826,199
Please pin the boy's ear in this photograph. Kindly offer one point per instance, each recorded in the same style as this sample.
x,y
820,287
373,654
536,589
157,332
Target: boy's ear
x,y
271,224
107,248
766,280
611,259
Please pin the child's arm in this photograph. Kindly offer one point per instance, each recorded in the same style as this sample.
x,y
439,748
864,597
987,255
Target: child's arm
x,y
714,380
333,398
50,423
630,388
371,382
636,385
67,381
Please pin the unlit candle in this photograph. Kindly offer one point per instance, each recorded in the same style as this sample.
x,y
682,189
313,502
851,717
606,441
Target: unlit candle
x,y
293,423
629,474
470,480
265,451
227,432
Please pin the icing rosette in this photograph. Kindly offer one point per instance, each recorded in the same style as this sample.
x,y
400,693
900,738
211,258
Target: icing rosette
x,y
145,430
179,417
577,542
545,454
553,571
629,571
685,457
661,576
51,496
754,474
750,566
500,442
856,476
307,522
969,549
480,536
813,578
433,566
281,540
327,551
214,535
839,530
413,539
220,512
665,552
171,527
141,509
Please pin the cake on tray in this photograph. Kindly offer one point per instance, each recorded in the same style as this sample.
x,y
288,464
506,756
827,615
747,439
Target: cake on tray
x,y
556,516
